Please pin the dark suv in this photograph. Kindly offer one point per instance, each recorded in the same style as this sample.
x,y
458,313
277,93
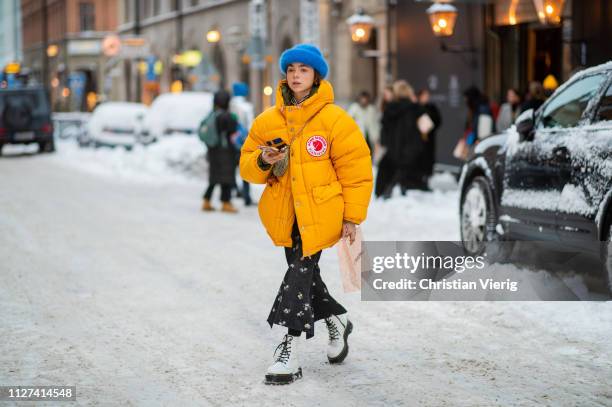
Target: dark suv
x,y
25,117
549,178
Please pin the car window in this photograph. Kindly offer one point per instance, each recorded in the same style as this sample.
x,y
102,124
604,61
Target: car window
x,y
604,113
35,101
566,109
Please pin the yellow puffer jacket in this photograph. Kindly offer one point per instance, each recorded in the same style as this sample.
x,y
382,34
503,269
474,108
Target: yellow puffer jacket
x,y
330,170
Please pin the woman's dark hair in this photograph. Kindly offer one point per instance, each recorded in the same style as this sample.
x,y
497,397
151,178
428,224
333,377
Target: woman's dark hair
x,y
221,99
473,97
422,91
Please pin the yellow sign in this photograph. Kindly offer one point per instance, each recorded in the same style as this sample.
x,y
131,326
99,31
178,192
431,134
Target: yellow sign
x,y
188,58
158,67
12,68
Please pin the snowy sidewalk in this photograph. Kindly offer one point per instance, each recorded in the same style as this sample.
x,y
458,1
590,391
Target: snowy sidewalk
x,y
129,292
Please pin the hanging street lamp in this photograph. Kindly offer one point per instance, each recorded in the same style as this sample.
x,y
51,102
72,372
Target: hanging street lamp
x,y
361,26
442,18
549,11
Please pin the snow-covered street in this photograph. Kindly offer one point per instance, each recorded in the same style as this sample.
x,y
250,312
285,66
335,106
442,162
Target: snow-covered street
x,y
114,281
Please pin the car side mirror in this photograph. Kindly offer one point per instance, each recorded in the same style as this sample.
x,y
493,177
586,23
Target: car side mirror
x,y
525,125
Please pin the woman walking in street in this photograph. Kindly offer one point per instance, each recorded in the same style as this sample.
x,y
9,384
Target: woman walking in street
x,y
428,159
318,171
403,142
509,111
222,158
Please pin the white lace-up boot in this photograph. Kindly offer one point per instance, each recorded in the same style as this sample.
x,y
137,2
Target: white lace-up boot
x,y
286,367
339,328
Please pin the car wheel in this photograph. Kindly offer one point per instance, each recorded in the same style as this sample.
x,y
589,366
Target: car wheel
x,y
479,222
46,147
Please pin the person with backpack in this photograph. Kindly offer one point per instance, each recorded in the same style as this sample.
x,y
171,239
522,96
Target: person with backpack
x,y
218,131
317,169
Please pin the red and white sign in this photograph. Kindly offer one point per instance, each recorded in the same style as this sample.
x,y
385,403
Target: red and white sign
x,y
316,146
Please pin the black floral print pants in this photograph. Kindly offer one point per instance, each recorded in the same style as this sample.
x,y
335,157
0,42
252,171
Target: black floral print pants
x,y
302,297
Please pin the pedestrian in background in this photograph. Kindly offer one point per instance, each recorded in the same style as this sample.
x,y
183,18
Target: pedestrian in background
x,y
479,123
222,157
402,140
535,97
243,109
387,97
367,118
318,171
509,110
429,156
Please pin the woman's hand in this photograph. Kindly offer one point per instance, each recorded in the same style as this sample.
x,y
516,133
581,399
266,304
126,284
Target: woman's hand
x,y
349,229
270,156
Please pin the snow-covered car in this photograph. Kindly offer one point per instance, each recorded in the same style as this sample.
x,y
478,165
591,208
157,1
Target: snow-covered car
x,y
116,124
549,177
176,113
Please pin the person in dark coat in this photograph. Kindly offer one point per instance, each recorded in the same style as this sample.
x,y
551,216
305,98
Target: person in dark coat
x,y
429,157
535,97
401,138
479,123
223,158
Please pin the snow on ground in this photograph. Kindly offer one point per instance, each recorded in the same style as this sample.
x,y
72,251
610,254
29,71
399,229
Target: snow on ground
x,y
114,281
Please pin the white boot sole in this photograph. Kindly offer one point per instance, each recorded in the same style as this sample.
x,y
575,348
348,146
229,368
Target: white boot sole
x,y
283,378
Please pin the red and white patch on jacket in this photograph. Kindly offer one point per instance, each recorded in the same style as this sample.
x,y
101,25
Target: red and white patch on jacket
x,y
316,146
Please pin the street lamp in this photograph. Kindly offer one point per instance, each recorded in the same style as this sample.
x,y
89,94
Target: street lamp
x,y
213,36
52,50
361,26
549,11
442,18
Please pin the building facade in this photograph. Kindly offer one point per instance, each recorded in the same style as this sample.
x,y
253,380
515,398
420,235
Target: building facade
x,y
62,41
496,45
10,34
252,35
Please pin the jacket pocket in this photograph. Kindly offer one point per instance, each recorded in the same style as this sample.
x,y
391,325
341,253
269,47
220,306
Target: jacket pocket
x,y
325,192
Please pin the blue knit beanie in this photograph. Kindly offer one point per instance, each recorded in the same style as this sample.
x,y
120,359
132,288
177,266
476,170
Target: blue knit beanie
x,y
240,89
306,54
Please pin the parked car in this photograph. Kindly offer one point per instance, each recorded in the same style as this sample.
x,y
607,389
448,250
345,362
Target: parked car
x,y
548,178
25,117
70,125
116,124
176,113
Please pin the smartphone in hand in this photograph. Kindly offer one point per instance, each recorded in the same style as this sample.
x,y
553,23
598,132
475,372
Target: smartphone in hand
x,y
274,150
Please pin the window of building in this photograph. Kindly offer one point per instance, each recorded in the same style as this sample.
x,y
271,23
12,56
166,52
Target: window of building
x,y
194,3
156,7
127,15
146,8
87,18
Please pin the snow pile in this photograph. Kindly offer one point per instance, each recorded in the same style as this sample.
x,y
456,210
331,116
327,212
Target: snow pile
x,y
417,216
177,158
177,111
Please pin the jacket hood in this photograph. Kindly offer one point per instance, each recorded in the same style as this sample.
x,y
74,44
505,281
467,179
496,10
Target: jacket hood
x,y
323,96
